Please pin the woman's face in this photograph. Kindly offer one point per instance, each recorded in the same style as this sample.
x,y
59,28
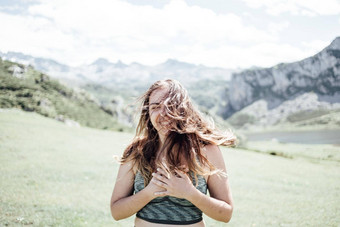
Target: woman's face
x,y
156,110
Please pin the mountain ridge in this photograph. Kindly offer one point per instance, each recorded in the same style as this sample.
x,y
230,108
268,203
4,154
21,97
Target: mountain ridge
x,y
319,73
273,90
103,71
317,77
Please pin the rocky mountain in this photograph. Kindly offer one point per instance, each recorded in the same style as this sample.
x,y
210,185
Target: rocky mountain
x,y
305,111
273,94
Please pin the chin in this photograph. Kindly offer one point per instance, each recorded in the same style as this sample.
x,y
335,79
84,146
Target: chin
x,y
163,132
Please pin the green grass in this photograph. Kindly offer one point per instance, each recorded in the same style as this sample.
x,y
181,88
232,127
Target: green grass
x,y
55,175
36,92
317,153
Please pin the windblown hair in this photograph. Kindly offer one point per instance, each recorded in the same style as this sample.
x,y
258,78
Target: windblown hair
x,y
188,133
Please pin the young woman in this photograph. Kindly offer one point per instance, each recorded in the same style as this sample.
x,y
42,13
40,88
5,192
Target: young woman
x,y
173,160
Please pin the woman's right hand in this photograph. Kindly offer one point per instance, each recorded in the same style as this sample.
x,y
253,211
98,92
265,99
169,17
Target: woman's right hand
x,y
152,188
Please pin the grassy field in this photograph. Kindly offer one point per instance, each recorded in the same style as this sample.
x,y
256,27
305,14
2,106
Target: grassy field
x,y
317,153
55,175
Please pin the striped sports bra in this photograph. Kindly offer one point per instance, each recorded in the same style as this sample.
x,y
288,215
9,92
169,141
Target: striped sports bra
x,y
168,209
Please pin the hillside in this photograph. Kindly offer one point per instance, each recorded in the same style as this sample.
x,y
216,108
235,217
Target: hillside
x,y
305,112
302,94
319,74
115,85
25,88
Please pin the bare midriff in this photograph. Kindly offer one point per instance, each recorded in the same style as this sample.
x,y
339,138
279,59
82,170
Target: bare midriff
x,y
142,223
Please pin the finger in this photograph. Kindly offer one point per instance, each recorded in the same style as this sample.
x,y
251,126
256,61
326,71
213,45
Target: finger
x,y
184,168
181,173
162,171
159,183
159,177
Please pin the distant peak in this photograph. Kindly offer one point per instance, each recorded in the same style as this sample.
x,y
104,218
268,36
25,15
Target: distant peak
x,y
120,64
175,62
101,61
335,44
171,60
105,62
135,63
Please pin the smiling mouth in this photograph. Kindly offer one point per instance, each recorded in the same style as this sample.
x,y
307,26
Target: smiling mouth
x,y
164,126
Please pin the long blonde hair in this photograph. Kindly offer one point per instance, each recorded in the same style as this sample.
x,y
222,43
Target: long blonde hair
x,y
188,133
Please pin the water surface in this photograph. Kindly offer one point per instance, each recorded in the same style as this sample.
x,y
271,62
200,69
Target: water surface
x,y
304,137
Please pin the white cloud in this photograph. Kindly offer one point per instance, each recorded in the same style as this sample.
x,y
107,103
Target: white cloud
x,y
31,34
276,28
297,7
112,18
79,31
262,54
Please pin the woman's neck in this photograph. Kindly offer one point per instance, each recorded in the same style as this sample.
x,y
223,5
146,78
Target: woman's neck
x,y
161,139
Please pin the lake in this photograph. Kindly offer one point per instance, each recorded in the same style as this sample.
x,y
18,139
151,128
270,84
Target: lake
x,y
304,137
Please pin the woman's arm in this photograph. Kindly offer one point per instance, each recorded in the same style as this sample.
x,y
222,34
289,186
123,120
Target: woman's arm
x,y
218,205
123,202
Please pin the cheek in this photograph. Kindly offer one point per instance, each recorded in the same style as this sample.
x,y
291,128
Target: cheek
x,y
153,118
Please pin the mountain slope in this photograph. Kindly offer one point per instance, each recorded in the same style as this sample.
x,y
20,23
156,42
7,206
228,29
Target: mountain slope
x,y
25,88
319,74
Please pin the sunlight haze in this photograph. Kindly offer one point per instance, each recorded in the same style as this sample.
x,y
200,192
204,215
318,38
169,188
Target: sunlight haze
x,y
229,34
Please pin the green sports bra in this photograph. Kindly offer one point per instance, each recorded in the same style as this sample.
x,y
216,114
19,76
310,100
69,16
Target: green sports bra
x,y
168,209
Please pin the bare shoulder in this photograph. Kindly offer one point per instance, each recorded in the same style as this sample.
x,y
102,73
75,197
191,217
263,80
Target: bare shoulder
x,y
127,168
211,149
124,182
214,155
126,174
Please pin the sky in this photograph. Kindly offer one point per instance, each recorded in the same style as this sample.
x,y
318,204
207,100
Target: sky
x,y
216,33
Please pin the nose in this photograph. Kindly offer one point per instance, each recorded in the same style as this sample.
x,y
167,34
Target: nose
x,y
161,116
162,110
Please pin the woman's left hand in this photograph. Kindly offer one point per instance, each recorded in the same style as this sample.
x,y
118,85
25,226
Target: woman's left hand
x,y
177,185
